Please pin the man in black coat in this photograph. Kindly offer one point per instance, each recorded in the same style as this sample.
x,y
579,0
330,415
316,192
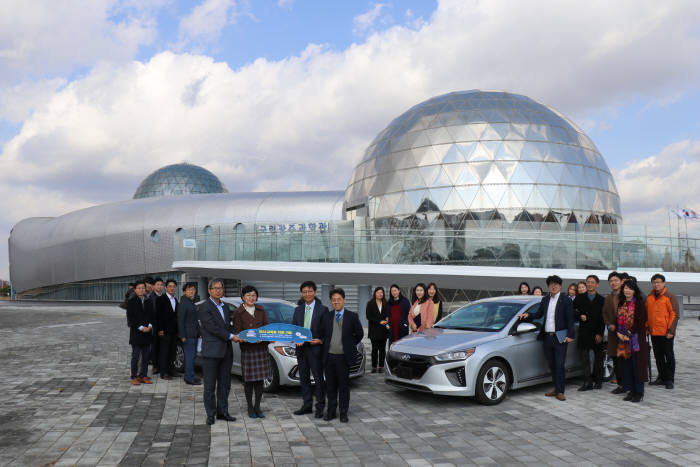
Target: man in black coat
x,y
342,334
217,352
311,314
558,312
140,317
166,318
588,310
188,330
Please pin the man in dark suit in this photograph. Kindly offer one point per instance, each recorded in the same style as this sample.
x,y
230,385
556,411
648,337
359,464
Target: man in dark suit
x,y
217,353
188,330
588,310
166,306
558,312
342,334
140,317
311,314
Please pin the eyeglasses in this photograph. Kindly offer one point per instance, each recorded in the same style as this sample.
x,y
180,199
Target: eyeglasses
x,y
217,288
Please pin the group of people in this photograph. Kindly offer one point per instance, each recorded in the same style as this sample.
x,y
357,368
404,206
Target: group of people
x,y
627,315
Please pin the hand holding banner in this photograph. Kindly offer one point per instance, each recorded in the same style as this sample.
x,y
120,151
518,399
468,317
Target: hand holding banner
x,y
277,332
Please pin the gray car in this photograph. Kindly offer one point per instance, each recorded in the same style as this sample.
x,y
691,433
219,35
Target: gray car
x,y
480,350
285,371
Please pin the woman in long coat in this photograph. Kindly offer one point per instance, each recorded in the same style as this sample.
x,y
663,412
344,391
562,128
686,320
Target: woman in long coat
x,y
398,309
255,360
422,314
377,328
632,349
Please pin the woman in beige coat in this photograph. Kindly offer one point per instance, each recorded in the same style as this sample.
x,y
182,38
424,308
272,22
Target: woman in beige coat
x,y
422,313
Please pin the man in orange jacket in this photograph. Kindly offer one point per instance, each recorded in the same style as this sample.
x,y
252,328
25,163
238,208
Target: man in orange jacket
x,y
662,310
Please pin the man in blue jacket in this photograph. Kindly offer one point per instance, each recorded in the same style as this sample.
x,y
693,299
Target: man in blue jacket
x,y
556,333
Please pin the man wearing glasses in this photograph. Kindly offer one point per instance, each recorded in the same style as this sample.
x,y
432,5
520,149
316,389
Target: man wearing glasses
x,y
217,353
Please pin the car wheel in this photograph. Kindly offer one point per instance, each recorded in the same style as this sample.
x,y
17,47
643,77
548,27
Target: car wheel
x,y
272,384
492,383
179,360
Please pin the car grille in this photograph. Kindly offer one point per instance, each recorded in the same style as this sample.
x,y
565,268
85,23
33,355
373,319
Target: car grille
x,y
408,366
355,367
457,377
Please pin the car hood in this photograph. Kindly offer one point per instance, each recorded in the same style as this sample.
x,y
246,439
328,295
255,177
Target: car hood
x,y
436,341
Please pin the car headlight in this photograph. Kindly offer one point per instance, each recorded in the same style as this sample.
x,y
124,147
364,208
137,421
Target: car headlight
x,y
286,350
455,355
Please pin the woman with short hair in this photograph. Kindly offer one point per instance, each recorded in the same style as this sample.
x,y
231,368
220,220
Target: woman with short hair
x,y
377,328
255,359
422,315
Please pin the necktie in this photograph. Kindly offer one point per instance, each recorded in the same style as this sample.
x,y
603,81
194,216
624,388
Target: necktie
x,y
307,316
337,316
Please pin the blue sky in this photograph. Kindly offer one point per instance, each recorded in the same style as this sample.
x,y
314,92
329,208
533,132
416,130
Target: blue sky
x,y
287,94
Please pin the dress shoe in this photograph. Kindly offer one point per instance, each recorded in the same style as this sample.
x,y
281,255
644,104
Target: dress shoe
x,y
329,416
260,413
210,420
374,370
629,396
551,394
586,387
251,413
166,377
669,384
598,386
226,416
194,382
319,414
560,397
618,390
146,380
657,382
380,369
135,381
637,397
303,411
344,418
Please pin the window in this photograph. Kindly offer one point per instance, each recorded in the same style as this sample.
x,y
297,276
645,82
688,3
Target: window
x,y
155,236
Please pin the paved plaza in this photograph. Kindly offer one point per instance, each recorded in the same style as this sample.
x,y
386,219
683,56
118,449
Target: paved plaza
x,y
66,399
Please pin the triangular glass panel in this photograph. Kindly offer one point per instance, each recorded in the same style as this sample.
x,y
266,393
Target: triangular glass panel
x,y
549,193
522,192
532,169
425,156
587,198
378,187
429,174
509,200
507,168
536,200
439,196
439,136
467,193
466,176
416,198
531,152
545,176
502,129
536,132
435,122
494,176
452,172
600,203
451,119
454,202
384,164
399,143
611,184
467,149
480,153
453,154
463,133
482,201
393,182
387,205
490,134
403,206
480,169
412,179
496,193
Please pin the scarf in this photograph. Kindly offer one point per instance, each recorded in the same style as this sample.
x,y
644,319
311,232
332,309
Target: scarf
x,y
625,321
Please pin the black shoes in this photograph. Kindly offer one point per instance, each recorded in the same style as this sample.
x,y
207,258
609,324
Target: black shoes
x,y
618,390
329,416
657,382
586,387
319,414
210,420
194,382
303,411
251,413
259,412
226,416
343,418
374,370
598,386
669,384
630,395
637,397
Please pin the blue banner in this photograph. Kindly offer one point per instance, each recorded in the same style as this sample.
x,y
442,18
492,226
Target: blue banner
x,y
277,332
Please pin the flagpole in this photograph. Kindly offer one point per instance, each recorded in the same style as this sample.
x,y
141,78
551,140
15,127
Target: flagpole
x,y
687,246
670,232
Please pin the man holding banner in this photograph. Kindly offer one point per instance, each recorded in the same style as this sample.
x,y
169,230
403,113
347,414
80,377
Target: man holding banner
x,y
311,314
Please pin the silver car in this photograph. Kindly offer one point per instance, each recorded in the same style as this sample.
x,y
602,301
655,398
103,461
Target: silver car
x,y
480,350
285,371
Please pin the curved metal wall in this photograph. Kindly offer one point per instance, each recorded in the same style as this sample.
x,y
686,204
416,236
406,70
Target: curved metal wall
x,y
115,239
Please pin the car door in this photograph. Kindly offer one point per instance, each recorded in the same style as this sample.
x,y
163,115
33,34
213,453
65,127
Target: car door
x,y
526,353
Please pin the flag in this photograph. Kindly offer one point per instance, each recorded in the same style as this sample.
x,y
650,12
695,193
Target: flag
x,y
686,213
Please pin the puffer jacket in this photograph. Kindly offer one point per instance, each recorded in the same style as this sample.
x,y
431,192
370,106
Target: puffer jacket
x,y
662,313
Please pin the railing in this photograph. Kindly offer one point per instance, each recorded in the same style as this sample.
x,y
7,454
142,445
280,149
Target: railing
x,y
632,247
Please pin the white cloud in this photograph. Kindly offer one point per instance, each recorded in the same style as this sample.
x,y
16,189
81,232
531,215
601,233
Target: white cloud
x,y
304,121
648,187
17,102
206,21
285,3
365,22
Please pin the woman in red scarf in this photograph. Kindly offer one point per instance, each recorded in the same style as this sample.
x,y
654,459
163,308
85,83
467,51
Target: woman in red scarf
x,y
632,349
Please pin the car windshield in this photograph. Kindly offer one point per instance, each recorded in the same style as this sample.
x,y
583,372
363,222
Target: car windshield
x,y
485,316
276,312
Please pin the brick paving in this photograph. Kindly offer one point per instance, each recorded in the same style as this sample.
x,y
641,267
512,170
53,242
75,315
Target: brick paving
x,y
67,400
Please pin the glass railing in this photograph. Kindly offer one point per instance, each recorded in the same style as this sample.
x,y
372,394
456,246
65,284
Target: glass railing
x,y
630,248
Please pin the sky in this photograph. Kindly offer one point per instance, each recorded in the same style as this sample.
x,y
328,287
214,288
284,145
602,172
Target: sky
x,y
286,94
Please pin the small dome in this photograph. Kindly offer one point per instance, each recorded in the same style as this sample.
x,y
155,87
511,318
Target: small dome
x,y
179,179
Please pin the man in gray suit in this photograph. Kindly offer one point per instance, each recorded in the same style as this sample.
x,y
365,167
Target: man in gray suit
x,y
217,353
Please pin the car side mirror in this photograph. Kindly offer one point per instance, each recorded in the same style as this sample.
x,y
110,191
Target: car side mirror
x,y
523,328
